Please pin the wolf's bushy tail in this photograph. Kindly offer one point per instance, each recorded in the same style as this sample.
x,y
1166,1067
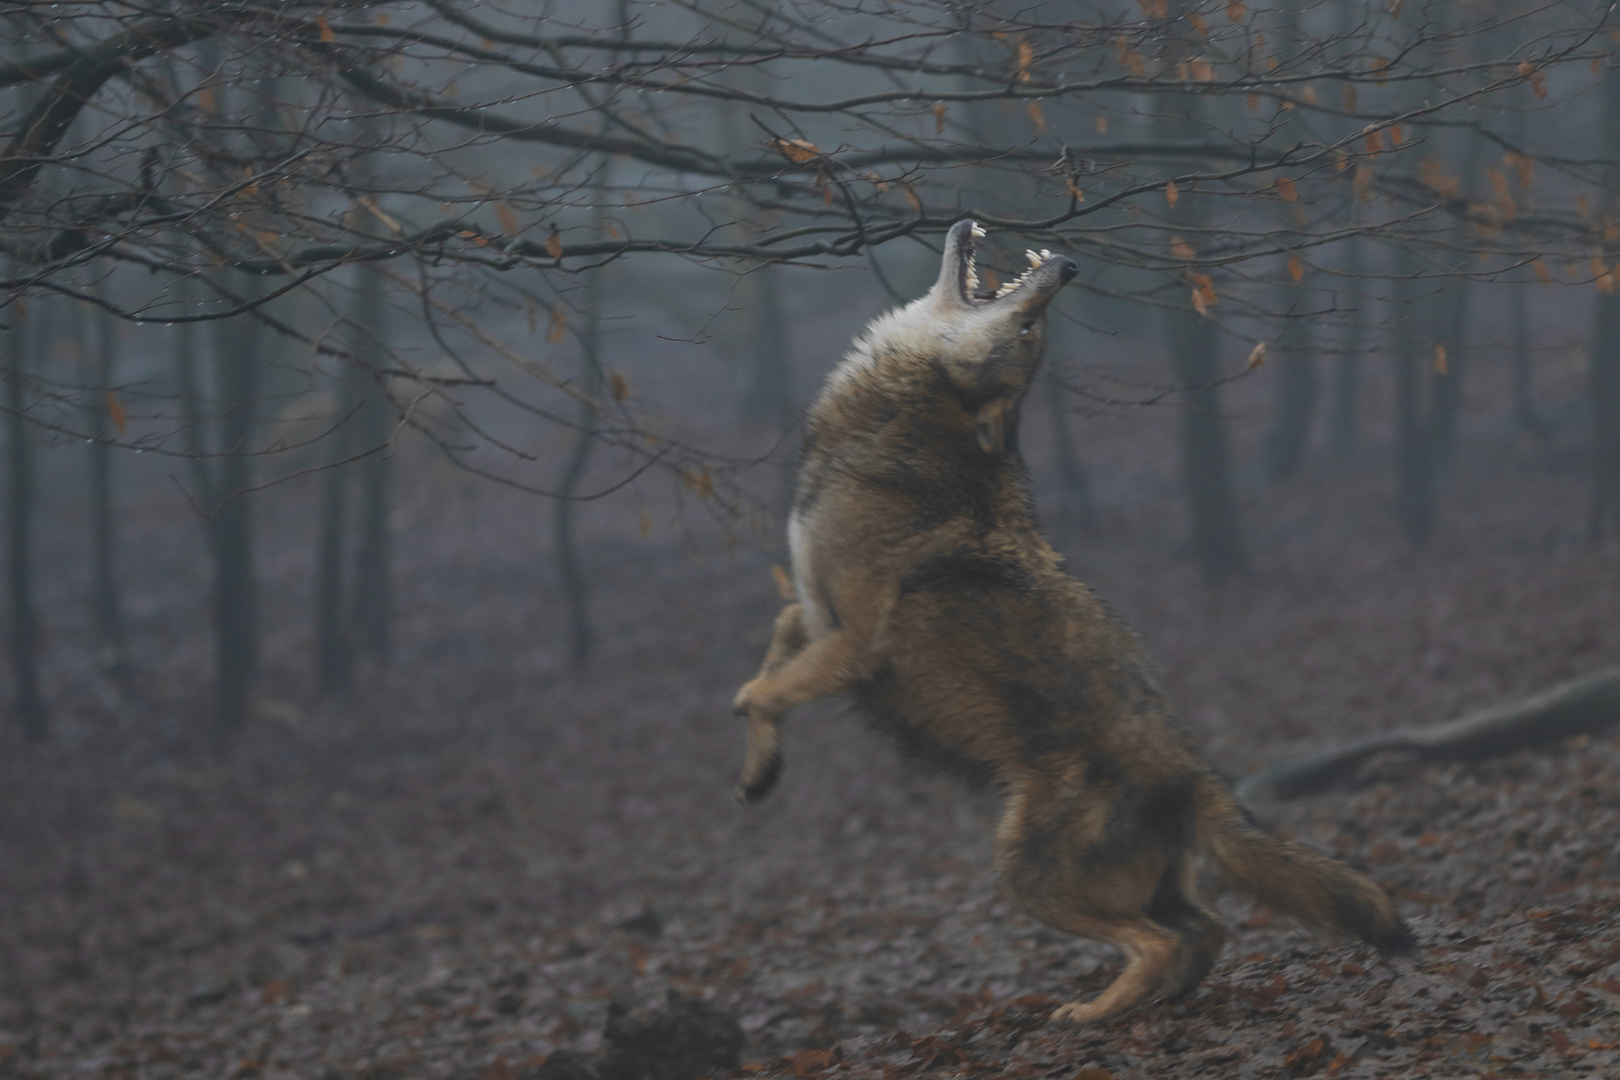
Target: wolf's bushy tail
x,y
1296,880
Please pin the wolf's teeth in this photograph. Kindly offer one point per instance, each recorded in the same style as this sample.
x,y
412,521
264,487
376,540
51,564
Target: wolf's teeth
x,y
978,231
1034,259
1046,253
1005,289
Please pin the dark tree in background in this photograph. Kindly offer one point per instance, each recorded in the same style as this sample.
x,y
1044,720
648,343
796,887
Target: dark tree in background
x,y
360,203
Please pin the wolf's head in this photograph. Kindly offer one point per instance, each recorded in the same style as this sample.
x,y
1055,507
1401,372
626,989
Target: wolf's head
x,y
987,344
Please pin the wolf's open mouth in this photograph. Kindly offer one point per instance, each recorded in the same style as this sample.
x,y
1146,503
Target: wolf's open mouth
x,y
970,270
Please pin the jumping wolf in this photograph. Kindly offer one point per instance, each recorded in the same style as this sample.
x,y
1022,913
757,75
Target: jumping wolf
x,y
922,587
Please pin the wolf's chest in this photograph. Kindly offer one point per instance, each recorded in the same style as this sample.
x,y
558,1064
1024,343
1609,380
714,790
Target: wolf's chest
x,y
801,549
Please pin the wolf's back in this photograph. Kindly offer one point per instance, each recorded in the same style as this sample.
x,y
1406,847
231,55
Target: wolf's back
x,y
1294,879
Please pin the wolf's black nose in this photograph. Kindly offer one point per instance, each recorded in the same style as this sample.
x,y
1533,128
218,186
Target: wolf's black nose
x,y
1067,267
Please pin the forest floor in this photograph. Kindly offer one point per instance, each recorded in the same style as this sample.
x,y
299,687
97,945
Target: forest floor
x,y
460,870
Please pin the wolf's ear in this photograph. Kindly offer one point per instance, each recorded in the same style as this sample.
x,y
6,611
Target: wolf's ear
x,y
990,426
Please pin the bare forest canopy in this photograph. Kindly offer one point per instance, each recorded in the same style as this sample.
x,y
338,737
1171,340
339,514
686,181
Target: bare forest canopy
x,y
279,236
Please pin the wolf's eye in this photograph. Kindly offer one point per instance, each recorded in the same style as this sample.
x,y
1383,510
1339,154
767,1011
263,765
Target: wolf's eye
x,y
1023,331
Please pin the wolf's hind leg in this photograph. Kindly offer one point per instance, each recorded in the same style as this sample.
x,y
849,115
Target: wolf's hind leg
x,y
762,760
1174,904
1151,953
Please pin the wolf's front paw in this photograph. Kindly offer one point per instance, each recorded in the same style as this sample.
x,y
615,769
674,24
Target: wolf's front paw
x,y
756,782
742,704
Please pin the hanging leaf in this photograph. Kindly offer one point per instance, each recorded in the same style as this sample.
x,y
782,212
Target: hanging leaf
x,y
1296,269
1499,189
1440,365
558,327
1436,179
115,410
1036,117
326,29
508,218
911,197
1522,165
1171,195
618,385
1234,10
1181,249
1203,293
1130,57
1351,97
1252,102
1200,27
1155,9
1286,189
1543,275
1362,182
797,151
646,522
1026,57
939,118
1203,71
700,481
1375,141
1257,356
1394,134
1100,122
554,245
1538,81
1603,277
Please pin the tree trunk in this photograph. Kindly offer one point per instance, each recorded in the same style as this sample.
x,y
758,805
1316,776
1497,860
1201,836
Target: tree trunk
x,y
1414,356
1586,704
334,654
1206,470
1524,400
373,429
1603,372
1284,444
1347,371
575,589
1078,504
104,603
1450,320
27,700
230,528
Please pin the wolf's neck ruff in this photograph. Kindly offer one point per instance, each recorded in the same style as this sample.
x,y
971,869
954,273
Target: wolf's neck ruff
x,y
923,589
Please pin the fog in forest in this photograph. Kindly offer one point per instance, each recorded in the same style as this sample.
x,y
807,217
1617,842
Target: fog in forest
x,y
402,404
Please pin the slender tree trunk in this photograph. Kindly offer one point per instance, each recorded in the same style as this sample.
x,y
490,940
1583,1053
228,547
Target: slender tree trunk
x,y
1524,400
1450,320
236,642
374,429
107,611
1347,371
1603,373
1194,340
1078,504
333,652
1206,469
1285,441
27,700
576,592
1414,471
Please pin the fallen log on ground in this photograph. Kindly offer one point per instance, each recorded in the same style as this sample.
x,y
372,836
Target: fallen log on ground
x,y
1579,706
